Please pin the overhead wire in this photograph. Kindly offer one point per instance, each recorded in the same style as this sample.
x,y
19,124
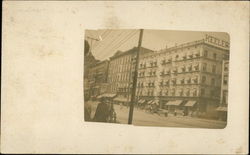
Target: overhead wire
x,y
104,36
113,41
116,40
123,41
109,40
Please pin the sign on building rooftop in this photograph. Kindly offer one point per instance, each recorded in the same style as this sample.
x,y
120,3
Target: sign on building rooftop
x,y
216,42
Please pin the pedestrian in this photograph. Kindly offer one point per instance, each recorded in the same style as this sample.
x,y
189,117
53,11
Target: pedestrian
x,y
102,111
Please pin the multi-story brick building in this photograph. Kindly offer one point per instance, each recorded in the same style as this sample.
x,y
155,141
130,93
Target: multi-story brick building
x,y
97,77
188,75
121,70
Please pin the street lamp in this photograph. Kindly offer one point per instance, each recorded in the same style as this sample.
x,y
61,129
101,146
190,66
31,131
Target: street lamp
x,y
91,40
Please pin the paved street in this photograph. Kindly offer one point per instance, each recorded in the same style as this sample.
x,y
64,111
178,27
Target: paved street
x,y
142,118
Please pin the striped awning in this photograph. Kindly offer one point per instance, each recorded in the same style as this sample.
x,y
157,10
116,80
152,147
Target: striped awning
x,y
190,103
141,101
221,109
154,102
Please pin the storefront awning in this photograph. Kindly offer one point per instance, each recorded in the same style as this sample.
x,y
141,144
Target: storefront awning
x,y
141,101
121,99
190,103
155,102
150,102
221,109
106,95
111,95
176,102
170,103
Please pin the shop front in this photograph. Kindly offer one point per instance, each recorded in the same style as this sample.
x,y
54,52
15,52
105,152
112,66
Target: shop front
x,y
175,106
190,108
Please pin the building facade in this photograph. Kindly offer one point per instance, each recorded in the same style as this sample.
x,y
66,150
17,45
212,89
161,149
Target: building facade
x,y
89,60
222,109
189,73
224,83
97,78
121,70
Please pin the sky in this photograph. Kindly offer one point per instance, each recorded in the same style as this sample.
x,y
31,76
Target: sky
x,y
114,40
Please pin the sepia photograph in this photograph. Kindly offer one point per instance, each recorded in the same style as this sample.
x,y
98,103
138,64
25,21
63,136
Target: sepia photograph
x,y
125,77
162,78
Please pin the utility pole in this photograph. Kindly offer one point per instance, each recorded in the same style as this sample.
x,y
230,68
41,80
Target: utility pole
x,y
131,109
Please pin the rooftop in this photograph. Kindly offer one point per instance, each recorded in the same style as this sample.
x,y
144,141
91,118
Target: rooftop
x,y
132,50
188,44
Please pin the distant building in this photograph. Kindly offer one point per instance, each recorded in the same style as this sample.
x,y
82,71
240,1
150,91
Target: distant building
x,y
97,76
188,75
89,60
121,70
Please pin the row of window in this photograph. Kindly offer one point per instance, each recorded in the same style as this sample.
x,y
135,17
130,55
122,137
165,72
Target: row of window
x,y
172,92
154,64
119,68
174,81
176,58
180,92
182,69
121,78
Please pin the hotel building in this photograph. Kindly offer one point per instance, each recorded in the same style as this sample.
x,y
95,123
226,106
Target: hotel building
x,y
188,74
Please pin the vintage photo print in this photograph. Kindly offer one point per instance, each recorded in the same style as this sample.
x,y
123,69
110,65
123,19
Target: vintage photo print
x,y
125,77
156,77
